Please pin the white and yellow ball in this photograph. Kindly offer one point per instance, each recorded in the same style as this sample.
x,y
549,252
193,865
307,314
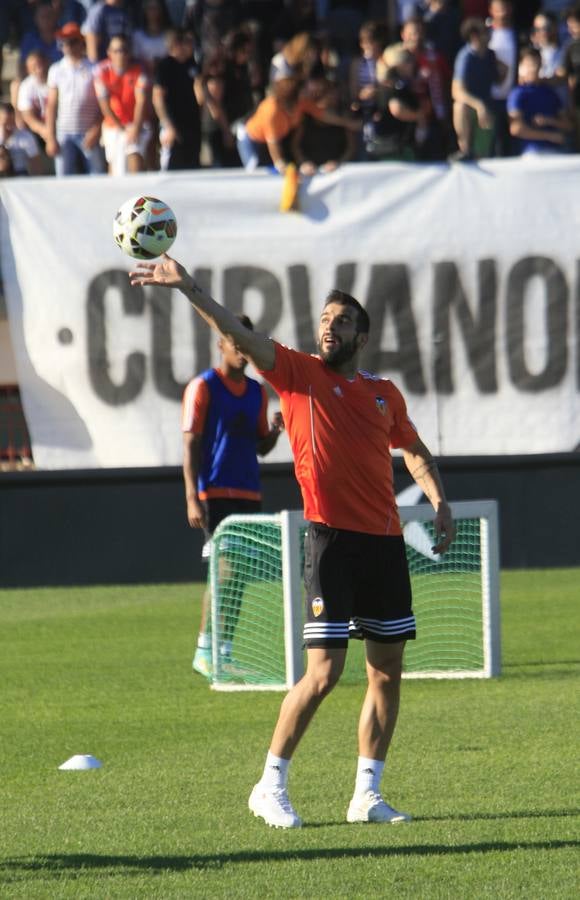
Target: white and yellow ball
x,y
144,227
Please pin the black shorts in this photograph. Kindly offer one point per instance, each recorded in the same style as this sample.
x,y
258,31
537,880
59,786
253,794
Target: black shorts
x,y
217,508
357,586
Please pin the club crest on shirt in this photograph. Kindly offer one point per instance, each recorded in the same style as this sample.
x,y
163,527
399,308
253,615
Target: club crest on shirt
x,y
337,390
381,405
317,606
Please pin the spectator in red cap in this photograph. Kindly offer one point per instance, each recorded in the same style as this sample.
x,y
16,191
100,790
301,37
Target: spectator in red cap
x,y
73,116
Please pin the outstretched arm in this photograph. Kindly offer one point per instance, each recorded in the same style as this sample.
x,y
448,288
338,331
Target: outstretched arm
x,y
423,469
258,348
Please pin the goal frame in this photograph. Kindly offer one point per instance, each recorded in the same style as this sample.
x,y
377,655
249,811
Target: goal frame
x,y
291,523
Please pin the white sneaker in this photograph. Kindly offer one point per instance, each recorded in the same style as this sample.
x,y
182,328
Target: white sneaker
x,y
202,662
274,807
370,807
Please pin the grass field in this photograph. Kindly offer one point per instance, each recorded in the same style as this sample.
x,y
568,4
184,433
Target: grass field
x,y
489,769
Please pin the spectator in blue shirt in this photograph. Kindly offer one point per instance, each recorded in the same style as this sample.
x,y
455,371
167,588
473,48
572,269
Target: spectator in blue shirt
x,y
106,19
537,118
476,70
41,37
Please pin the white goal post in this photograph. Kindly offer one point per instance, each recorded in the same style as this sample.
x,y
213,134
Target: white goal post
x,y
257,598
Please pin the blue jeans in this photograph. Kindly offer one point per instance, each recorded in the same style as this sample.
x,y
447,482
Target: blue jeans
x,y
74,159
247,149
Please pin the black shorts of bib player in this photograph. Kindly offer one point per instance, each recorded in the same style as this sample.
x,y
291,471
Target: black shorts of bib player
x,y
235,554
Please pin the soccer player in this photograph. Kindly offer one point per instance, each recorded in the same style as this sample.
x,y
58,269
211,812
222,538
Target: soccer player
x,y
224,424
341,423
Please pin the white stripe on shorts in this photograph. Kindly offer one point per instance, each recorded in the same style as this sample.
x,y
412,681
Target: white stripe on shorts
x,y
325,630
380,627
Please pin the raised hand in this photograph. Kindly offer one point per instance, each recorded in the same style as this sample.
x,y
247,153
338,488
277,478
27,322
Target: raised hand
x,y
167,272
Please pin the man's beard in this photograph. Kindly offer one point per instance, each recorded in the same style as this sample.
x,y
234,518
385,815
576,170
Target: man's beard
x,y
341,353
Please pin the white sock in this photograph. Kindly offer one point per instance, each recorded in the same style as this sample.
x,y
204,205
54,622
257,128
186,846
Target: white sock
x,y
275,772
368,775
204,640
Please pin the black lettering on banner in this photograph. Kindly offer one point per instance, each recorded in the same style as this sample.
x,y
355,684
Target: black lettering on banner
x,y
133,300
162,349
477,328
389,293
161,361
302,308
345,276
239,279
555,333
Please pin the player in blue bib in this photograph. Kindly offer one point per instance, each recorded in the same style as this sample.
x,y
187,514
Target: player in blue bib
x,y
225,427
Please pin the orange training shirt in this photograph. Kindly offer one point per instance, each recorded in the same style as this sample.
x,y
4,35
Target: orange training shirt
x,y
341,433
273,122
120,88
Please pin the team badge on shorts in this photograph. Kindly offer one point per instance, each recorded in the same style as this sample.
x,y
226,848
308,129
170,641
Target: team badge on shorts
x,y
317,606
381,405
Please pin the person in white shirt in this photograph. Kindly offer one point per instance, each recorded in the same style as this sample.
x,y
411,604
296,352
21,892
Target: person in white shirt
x,y
33,94
20,144
149,38
73,115
544,37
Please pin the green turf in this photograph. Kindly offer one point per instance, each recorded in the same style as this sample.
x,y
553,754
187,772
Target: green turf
x,y
488,768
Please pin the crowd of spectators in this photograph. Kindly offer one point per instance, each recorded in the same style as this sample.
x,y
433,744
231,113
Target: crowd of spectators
x,y
124,86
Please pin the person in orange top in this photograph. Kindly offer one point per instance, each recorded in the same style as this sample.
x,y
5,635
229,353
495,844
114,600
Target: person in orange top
x,y
224,423
342,424
122,90
265,138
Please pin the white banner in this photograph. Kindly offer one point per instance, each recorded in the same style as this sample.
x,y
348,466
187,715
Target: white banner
x,y
469,274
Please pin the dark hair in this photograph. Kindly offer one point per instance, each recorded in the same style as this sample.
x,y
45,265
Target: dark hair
x,y
472,26
375,31
573,12
119,37
414,19
236,40
165,17
5,156
551,17
363,323
39,54
175,36
214,64
246,322
531,53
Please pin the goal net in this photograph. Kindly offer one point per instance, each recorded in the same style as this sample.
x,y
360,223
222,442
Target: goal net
x,y
258,599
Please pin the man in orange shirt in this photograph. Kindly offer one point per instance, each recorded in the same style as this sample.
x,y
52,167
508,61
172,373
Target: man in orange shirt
x,y
265,138
341,423
122,90
225,424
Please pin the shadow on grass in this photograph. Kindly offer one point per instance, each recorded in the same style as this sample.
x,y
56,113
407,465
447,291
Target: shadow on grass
x,y
543,663
546,668
57,865
560,668
482,817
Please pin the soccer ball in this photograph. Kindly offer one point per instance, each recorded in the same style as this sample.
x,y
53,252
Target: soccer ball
x,y
144,227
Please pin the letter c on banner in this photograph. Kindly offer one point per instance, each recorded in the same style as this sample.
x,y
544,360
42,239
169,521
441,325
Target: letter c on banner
x,y
133,300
